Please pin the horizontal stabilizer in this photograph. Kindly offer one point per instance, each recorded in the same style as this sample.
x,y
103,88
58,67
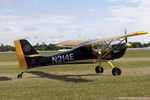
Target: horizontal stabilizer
x,y
35,55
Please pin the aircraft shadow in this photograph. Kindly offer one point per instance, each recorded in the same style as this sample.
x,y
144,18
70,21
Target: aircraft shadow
x,y
67,78
5,79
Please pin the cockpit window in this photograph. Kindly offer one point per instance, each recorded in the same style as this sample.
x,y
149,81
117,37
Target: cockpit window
x,y
97,48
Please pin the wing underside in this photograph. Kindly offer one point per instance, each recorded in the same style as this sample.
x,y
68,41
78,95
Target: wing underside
x,y
116,38
73,43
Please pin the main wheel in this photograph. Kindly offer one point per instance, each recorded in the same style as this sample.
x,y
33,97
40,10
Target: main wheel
x,y
97,70
116,71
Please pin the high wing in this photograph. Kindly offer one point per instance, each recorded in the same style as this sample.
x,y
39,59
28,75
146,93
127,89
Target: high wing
x,y
71,43
118,37
74,43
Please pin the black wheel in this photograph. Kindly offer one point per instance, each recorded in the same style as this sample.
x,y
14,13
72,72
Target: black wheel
x,y
116,71
19,76
97,70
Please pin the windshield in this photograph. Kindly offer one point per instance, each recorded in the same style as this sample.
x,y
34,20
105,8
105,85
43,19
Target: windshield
x,y
98,47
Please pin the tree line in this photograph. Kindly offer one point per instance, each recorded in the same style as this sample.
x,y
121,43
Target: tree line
x,y
139,45
45,47
39,47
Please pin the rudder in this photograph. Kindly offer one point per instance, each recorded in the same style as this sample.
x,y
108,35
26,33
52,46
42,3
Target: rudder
x,y
25,53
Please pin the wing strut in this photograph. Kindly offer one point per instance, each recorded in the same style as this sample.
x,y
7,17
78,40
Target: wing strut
x,y
100,56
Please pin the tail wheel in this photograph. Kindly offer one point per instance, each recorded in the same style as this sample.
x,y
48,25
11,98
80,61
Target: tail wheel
x,y
98,70
116,71
20,75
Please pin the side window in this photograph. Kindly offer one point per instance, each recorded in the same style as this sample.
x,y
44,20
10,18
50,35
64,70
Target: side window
x,y
97,48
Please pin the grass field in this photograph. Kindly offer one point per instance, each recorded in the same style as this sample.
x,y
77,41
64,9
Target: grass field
x,y
76,82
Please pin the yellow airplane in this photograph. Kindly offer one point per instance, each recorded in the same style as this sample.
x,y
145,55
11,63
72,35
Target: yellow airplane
x,y
82,52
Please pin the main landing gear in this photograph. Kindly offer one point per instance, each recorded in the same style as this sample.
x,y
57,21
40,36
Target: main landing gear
x,y
99,69
115,71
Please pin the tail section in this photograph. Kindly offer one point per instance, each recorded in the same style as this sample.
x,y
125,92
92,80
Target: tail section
x,y
25,53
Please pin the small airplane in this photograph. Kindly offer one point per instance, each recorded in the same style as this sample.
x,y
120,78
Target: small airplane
x,y
82,52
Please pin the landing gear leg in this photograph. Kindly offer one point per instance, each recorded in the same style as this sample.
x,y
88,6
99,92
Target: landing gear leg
x,y
20,75
115,71
99,69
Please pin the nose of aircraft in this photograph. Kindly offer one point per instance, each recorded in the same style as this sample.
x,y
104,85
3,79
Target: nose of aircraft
x,y
128,44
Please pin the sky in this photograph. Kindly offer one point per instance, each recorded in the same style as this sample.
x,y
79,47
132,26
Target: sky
x,y
54,21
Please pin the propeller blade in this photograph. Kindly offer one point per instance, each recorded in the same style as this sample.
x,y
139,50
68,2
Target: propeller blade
x,y
125,34
127,44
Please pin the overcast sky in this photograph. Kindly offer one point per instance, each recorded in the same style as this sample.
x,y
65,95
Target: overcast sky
x,y
53,21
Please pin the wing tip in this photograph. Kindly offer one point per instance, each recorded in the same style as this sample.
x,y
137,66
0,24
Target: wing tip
x,y
143,32
138,33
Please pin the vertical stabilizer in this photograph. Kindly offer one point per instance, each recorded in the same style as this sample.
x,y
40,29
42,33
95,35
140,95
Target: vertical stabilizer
x,y
25,53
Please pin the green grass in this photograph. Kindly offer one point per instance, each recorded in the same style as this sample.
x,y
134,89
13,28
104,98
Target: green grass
x,y
138,53
76,82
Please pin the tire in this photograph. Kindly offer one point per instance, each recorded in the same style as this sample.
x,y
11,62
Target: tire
x,y
97,70
19,76
116,71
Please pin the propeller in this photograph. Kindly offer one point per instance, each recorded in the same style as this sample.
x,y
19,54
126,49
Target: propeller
x,y
125,34
126,40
